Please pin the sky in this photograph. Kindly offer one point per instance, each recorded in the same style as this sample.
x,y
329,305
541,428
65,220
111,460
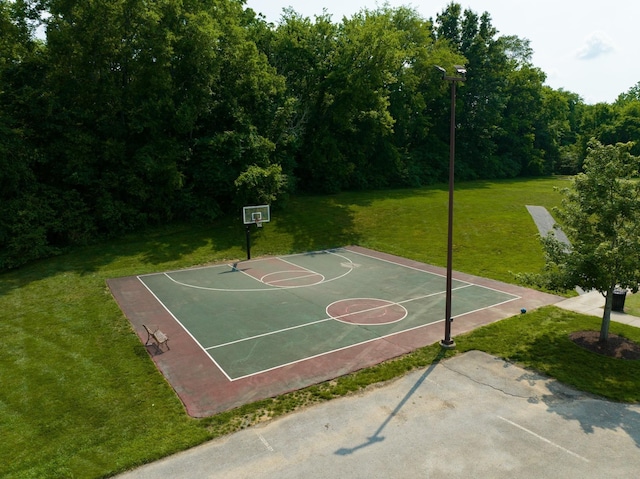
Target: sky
x,y
588,47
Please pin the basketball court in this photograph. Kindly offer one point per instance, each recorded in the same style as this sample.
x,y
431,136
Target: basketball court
x,y
243,331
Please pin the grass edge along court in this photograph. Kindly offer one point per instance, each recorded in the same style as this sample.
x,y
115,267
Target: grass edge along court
x,y
205,388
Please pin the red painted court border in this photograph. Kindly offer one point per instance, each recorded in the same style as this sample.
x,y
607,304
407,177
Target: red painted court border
x,y
205,390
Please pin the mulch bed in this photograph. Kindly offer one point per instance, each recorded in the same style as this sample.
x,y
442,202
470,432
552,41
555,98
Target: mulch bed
x,y
616,347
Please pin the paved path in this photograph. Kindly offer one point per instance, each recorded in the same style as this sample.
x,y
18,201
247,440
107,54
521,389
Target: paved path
x,y
546,223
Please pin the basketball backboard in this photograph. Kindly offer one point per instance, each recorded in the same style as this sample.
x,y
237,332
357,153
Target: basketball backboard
x,y
256,214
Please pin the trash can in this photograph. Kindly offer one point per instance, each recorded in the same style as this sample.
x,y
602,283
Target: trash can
x,y
619,296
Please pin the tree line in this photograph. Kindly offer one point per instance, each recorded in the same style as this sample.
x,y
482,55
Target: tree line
x,y
118,114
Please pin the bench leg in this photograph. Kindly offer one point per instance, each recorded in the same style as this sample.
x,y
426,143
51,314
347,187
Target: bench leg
x,y
158,343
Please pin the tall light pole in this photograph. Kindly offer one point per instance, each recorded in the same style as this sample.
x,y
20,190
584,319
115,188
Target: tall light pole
x,y
461,71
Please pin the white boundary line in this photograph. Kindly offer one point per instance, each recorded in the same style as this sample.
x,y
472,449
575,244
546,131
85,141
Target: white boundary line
x,y
325,353
351,265
515,297
185,329
310,270
404,265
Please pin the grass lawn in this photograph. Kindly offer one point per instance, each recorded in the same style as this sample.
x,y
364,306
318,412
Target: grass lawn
x,y
81,398
540,340
632,304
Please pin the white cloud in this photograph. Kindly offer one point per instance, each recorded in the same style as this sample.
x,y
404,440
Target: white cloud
x,y
596,44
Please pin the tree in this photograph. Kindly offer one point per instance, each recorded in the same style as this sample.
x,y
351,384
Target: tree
x,y
482,96
518,143
625,126
419,101
27,222
556,130
245,106
593,122
257,185
633,94
302,51
115,130
600,215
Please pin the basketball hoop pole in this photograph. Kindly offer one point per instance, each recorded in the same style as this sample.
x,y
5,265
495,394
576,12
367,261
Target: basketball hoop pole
x,y
254,215
248,234
447,342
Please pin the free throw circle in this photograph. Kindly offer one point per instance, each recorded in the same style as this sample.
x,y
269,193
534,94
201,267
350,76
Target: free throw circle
x,y
292,279
366,311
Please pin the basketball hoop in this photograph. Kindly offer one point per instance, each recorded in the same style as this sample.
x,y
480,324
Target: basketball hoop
x,y
254,215
257,218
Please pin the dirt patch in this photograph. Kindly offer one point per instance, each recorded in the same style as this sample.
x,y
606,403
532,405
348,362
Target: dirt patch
x,y
616,347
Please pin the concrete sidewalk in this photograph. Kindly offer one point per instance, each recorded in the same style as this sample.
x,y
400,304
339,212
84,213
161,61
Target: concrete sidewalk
x,y
592,303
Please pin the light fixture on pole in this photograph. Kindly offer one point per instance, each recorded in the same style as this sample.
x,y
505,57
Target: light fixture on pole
x,y
461,71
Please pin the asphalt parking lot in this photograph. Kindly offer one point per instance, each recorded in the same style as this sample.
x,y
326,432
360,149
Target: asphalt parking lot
x,y
470,416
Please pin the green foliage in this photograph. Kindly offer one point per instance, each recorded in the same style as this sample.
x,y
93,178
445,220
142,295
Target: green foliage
x,y
518,146
632,304
105,122
260,186
600,215
625,127
132,113
632,95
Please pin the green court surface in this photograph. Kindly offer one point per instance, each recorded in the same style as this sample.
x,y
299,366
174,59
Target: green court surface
x,y
245,331
258,315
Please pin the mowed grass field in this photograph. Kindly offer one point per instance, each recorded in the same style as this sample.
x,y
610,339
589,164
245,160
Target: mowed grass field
x,y
81,398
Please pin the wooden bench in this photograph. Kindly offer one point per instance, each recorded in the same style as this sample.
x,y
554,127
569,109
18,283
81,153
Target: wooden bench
x,y
157,336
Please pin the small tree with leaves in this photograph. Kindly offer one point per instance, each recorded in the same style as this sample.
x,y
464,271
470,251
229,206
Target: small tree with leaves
x,y
600,215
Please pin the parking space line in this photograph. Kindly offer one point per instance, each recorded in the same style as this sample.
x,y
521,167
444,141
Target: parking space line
x,y
544,439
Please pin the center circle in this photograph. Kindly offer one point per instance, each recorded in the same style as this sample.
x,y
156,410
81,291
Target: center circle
x,y
366,311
